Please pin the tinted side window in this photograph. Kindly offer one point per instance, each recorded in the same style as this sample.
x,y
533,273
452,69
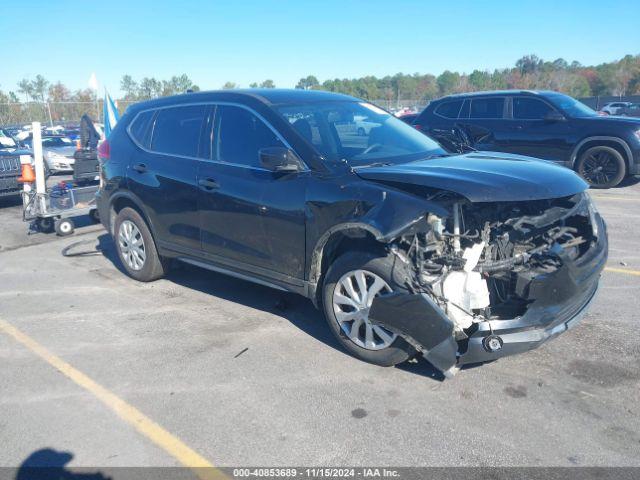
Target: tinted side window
x,y
177,130
464,112
487,107
449,109
139,128
530,108
241,135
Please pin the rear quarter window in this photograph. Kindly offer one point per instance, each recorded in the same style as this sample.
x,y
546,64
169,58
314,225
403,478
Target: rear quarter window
x,y
140,126
176,130
449,109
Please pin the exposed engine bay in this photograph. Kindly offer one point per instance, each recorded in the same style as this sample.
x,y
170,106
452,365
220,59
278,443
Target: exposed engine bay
x,y
477,264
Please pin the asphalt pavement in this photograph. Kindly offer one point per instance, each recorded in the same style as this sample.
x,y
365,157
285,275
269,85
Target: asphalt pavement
x,y
236,374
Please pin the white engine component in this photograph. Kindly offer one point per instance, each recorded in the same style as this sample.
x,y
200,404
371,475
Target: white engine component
x,y
466,290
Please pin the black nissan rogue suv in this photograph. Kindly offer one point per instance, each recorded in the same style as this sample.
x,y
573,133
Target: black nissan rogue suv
x,y
541,124
406,248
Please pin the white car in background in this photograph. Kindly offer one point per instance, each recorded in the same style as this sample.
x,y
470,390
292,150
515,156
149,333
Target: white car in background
x,y
364,125
614,108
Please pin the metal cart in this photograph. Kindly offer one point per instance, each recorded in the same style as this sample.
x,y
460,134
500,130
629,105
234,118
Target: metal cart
x,y
55,209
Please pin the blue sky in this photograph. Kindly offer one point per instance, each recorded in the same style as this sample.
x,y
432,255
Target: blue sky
x,y
245,41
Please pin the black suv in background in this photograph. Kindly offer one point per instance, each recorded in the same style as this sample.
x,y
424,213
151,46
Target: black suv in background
x,y
405,247
10,165
542,124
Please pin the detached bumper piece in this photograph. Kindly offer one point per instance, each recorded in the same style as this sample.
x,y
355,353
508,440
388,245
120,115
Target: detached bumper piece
x,y
423,324
557,302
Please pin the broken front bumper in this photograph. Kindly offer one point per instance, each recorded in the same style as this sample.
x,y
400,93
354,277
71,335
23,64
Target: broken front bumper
x,y
558,301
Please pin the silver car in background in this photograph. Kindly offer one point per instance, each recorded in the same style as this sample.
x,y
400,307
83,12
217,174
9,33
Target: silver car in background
x,y
58,153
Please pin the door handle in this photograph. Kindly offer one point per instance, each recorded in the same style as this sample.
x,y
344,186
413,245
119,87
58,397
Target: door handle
x,y
140,168
208,183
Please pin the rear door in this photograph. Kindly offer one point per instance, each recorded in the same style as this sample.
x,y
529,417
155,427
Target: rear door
x,y
163,174
533,134
438,122
250,218
484,121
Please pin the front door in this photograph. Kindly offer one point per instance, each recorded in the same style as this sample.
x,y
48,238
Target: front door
x,y
250,218
534,134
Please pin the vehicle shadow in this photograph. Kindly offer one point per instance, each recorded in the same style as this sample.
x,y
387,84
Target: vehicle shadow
x,y
628,182
298,310
50,464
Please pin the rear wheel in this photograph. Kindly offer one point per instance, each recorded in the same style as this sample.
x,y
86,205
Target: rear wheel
x,y
601,167
350,286
136,248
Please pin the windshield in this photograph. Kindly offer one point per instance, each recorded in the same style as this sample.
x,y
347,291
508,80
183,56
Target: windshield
x,y
571,106
358,132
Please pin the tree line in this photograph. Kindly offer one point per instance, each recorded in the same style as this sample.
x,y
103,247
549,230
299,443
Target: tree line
x,y
618,78
39,99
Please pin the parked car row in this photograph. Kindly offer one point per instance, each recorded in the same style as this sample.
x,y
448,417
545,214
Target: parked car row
x,y
546,125
407,248
632,110
61,153
624,109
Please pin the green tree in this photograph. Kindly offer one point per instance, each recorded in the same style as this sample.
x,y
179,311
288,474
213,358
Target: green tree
x,y
480,80
150,88
309,82
25,87
448,81
130,87
229,86
59,93
529,64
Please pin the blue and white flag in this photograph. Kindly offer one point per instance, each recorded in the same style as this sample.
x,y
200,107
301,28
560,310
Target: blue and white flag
x,y
111,116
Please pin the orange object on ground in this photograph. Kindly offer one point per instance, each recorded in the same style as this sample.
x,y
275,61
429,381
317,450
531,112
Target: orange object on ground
x,y
28,175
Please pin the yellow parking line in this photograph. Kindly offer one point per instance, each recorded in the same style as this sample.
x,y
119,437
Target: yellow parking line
x,y
169,443
623,270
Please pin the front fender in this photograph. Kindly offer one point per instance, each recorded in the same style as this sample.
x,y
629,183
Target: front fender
x,y
375,209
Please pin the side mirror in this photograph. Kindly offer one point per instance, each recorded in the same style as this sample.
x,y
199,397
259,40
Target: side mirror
x,y
279,159
554,116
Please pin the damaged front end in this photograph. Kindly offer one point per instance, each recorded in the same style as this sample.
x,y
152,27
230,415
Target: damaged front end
x,y
493,279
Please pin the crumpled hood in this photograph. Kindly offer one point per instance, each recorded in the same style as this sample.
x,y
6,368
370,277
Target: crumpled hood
x,y
484,176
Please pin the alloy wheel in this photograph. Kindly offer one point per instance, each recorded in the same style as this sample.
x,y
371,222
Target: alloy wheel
x,y
131,244
353,295
599,168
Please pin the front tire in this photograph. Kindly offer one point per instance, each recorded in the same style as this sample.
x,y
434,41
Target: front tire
x,y
136,248
350,285
601,167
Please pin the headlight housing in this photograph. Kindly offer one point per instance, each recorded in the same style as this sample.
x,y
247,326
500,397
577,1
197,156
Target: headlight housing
x,y
637,134
593,214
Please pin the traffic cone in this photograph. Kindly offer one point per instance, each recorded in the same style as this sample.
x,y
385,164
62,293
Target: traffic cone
x,y
28,175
